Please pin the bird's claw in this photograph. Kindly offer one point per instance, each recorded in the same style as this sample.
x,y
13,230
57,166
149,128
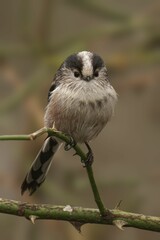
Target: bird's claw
x,y
72,143
89,160
90,157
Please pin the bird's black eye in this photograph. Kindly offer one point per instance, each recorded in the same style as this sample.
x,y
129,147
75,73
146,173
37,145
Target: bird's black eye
x,y
76,74
96,74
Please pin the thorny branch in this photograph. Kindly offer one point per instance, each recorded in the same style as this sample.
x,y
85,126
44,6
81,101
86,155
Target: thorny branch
x,y
75,214
78,150
78,215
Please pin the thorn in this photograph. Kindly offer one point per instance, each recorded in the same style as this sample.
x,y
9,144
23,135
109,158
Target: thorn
x,y
119,224
77,225
118,205
33,218
74,154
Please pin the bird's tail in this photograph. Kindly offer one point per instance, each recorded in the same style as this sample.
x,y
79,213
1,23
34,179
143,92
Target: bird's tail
x,y
40,166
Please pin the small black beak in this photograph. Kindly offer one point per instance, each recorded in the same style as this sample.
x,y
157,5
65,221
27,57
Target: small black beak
x,y
87,78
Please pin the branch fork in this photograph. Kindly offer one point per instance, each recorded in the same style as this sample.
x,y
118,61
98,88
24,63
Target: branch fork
x,y
76,215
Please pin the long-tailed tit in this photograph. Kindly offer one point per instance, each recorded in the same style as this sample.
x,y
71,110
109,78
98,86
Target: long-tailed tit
x,y
80,103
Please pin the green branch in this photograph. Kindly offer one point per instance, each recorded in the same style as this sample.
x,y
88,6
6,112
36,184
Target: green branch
x,y
63,137
78,215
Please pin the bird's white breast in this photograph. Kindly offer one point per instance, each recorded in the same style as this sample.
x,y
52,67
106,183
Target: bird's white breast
x,y
81,110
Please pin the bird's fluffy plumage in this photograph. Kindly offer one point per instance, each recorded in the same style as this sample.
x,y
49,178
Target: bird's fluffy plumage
x,y
81,102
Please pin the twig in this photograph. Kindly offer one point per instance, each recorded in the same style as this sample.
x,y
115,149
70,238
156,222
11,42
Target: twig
x,y
75,215
63,137
78,215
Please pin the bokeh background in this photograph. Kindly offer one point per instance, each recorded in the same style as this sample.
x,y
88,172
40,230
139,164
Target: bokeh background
x,y
35,37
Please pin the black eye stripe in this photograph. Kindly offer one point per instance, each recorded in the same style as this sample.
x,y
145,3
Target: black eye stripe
x,y
74,62
97,62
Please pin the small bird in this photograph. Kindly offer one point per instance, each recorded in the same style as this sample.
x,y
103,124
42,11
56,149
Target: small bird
x,y
80,103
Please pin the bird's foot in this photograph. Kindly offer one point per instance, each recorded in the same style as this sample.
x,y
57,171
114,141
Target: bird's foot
x,y
72,143
90,157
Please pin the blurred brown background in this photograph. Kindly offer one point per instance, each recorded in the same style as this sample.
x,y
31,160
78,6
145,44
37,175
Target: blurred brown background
x,y
35,37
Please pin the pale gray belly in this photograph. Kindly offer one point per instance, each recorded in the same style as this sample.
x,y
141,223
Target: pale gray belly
x,y
83,120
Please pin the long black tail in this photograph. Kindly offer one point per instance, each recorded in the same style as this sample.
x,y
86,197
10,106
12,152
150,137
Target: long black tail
x,y
40,166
